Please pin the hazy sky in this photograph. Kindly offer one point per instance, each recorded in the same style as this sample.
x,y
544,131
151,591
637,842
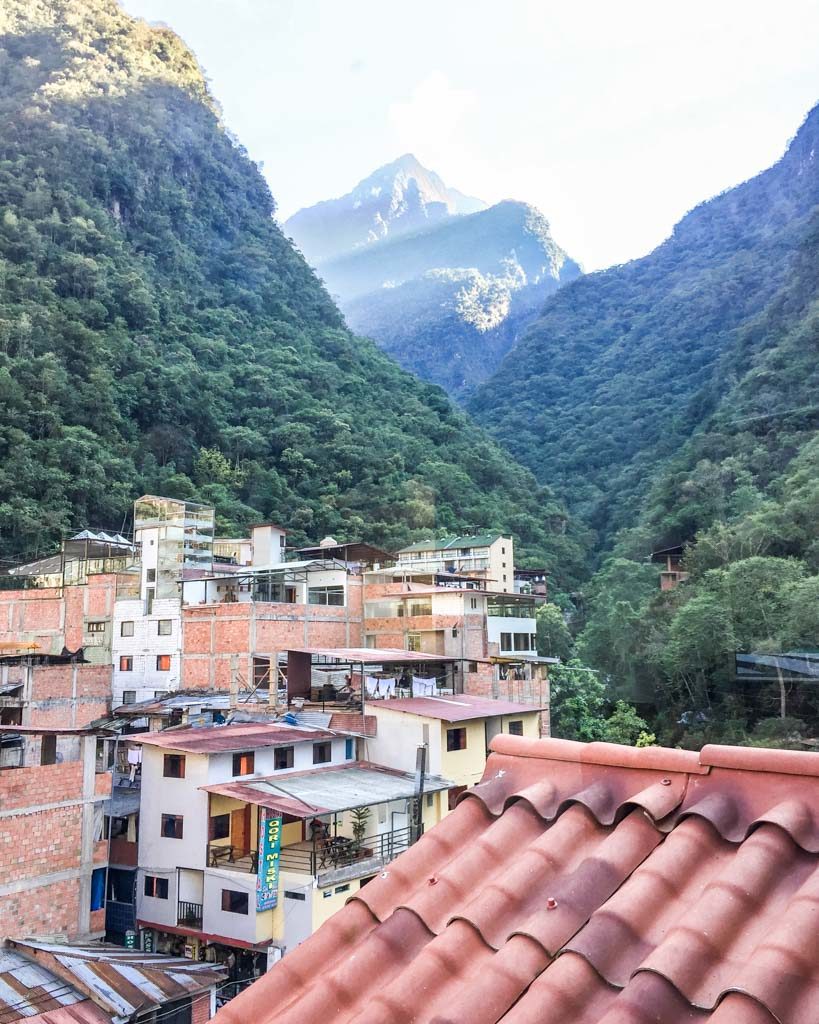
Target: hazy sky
x,y
614,116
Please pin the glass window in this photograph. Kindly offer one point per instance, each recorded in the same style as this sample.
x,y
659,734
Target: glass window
x,y
322,752
282,758
516,728
456,739
48,749
95,627
156,887
413,641
234,902
129,696
220,826
172,825
420,607
521,641
506,641
349,749
164,627
126,628
150,575
325,595
149,600
174,766
163,663
126,664
244,764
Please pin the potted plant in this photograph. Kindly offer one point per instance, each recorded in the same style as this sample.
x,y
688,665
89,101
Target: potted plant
x,y
361,819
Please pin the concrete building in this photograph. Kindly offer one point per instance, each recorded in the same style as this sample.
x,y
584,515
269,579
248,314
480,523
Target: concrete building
x,y
456,731
252,835
489,557
53,790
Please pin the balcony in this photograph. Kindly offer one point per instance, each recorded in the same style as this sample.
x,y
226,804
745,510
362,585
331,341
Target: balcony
x,y
189,915
329,860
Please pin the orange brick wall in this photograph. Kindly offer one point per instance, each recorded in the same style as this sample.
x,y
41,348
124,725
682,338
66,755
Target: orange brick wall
x,y
213,634
47,910
69,696
200,1008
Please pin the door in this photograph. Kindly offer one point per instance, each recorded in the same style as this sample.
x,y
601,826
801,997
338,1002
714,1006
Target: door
x,y
240,831
493,726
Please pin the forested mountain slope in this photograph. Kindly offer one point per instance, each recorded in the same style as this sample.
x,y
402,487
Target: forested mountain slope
x,y
158,332
624,366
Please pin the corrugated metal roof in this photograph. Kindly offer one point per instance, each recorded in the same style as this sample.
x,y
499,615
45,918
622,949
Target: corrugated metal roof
x,y
459,708
328,790
121,981
370,655
582,883
226,739
31,992
449,543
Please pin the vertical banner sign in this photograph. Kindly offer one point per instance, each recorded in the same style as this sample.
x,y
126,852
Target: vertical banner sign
x,y
270,843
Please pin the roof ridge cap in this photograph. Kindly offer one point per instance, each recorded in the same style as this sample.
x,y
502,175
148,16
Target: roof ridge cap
x,y
616,755
761,759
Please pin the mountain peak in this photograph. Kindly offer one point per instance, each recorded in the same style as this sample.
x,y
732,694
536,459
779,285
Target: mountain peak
x,y
397,198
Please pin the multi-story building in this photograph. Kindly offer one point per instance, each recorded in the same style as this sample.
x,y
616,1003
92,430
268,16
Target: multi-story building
x,y
53,791
251,835
488,557
456,731
673,573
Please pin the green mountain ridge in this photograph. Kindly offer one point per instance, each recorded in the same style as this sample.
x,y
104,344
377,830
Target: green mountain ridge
x,y
623,367
159,333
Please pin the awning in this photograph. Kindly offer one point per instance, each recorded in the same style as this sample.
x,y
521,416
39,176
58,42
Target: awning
x,y
328,790
370,655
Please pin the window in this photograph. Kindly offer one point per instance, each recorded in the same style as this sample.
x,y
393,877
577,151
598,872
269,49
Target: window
x,y
234,902
422,606
149,600
289,895
522,641
95,627
174,766
126,664
342,888
129,696
220,826
282,758
516,728
456,739
244,764
325,595
430,799
164,627
163,663
322,753
349,749
160,694
473,603
473,666
413,641
150,575
156,887
506,641
48,750
172,826
126,628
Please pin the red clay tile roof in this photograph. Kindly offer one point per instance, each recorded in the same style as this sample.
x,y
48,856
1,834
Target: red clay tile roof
x,y
587,884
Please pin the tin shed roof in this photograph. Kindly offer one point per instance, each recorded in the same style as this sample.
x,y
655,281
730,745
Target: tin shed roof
x,y
595,884
459,708
122,982
226,739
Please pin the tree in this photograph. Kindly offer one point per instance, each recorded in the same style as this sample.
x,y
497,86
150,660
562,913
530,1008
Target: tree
x,y
553,637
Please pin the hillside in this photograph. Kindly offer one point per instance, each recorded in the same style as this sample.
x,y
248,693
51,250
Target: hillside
x,y
159,333
399,197
624,366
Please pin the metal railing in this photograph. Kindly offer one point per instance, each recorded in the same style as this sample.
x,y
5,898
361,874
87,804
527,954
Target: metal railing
x,y
189,914
342,851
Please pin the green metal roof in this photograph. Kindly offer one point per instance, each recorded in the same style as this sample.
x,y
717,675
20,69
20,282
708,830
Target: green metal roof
x,y
482,540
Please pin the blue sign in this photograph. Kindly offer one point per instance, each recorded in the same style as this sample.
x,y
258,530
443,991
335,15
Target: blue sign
x,y
270,844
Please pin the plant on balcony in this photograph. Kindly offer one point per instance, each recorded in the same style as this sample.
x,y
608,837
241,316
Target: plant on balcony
x,y
361,819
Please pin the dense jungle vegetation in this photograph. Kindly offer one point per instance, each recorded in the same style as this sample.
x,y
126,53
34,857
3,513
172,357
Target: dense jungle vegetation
x,y
159,334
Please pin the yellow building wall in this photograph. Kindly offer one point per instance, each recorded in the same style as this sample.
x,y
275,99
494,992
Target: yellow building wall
x,y
464,767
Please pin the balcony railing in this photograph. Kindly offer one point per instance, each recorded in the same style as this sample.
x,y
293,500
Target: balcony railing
x,y
189,915
343,852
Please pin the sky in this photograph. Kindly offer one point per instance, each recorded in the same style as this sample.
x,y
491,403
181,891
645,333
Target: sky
x,y
614,118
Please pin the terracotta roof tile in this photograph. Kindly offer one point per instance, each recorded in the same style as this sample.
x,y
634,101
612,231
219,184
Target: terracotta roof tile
x,y
587,883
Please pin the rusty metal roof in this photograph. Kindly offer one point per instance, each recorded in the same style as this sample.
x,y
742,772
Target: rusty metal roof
x,y
593,884
122,982
459,708
30,992
370,655
222,739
